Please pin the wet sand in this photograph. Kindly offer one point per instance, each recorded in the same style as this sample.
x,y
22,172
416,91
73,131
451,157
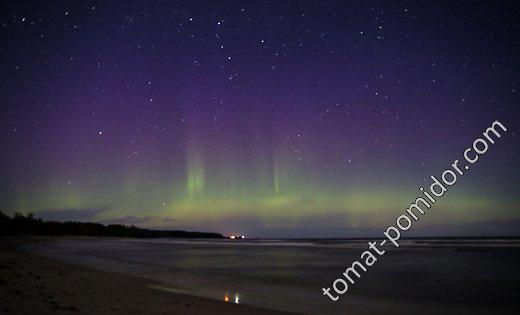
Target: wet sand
x,y
31,284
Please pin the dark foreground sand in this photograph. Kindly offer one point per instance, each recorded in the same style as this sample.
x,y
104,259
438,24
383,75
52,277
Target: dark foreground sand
x,y
32,284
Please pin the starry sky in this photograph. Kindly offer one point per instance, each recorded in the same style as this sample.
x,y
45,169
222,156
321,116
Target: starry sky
x,y
265,118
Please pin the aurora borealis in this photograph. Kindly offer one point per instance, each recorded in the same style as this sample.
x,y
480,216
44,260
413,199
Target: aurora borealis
x,y
264,118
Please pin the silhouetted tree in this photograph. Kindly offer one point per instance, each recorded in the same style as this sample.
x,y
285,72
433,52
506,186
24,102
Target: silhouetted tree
x,y
20,224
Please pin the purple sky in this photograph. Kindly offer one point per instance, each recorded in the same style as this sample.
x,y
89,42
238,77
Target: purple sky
x,y
288,118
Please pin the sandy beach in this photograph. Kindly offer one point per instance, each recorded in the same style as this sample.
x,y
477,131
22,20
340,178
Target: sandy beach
x,y
30,283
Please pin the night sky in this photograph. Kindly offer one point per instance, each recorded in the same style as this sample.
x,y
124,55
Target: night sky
x,y
266,118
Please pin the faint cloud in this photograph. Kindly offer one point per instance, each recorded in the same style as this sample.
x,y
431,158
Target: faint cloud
x,y
485,228
70,214
146,221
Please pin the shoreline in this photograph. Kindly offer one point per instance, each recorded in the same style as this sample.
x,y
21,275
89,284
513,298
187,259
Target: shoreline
x,y
29,283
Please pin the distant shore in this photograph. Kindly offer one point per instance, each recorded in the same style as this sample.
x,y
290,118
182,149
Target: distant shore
x,y
20,224
34,284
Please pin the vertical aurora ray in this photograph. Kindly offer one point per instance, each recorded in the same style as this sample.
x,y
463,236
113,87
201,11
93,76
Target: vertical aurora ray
x,y
195,173
276,180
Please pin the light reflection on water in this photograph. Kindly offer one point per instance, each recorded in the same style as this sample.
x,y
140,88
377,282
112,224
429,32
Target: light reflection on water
x,y
236,298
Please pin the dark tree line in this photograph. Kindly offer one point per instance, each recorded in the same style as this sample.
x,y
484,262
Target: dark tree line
x,y
28,225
